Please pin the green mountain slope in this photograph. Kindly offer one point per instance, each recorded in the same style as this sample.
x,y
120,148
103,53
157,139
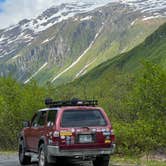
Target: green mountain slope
x,y
71,48
132,92
152,49
109,80
121,38
134,100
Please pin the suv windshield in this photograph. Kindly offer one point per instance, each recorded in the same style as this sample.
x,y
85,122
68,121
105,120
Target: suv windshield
x,y
82,118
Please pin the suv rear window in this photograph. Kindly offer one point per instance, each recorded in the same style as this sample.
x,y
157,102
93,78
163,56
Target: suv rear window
x,y
82,118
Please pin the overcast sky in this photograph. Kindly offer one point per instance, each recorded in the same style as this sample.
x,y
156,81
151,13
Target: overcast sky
x,y
12,11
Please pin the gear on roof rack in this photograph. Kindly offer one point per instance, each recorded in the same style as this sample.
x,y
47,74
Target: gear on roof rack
x,y
74,102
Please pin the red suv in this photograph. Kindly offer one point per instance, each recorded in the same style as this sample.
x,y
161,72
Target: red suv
x,y
68,130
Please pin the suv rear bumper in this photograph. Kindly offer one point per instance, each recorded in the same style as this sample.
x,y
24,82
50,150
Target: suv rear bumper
x,y
55,151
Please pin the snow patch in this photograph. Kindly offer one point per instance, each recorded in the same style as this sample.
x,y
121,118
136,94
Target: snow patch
x,y
86,18
11,51
132,24
46,23
3,53
76,19
11,27
64,12
151,17
15,57
28,37
2,38
45,41
84,69
41,68
147,6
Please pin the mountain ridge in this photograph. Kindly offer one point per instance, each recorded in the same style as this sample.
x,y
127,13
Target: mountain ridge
x,y
44,55
151,50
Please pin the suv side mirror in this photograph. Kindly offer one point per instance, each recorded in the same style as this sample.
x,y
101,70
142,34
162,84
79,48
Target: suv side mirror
x,y
26,124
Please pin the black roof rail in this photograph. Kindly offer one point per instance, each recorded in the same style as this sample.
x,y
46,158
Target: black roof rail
x,y
74,102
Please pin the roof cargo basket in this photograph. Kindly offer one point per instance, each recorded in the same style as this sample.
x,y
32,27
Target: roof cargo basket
x,y
74,102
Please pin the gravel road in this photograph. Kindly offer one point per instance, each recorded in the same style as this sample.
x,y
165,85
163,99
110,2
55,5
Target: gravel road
x,y
12,160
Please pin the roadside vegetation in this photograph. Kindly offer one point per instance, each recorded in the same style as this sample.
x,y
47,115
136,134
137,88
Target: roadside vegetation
x,y
17,103
117,160
136,105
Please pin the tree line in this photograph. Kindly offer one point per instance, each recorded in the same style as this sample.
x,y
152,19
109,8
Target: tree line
x,y
135,103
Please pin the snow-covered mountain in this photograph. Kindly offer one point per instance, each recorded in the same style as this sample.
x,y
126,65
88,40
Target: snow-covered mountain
x,y
58,37
154,7
57,14
26,30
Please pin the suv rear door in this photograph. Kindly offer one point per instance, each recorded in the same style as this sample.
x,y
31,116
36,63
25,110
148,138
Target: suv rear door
x,y
83,128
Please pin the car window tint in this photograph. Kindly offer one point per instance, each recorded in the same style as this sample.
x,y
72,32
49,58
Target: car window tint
x,y
42,118
83,118
35,120
51,118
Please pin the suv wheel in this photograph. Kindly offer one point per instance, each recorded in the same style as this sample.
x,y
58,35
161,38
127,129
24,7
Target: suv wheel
x,y
103,160
43,156
24,160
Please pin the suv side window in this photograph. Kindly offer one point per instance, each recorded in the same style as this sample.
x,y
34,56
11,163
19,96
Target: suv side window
x,y
35,120
42,118
51,118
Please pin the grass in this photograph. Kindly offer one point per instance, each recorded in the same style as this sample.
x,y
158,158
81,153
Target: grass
x,y
7,153
135,161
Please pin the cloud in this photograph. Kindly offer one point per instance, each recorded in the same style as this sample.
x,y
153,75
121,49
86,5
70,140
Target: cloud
x,y
13,11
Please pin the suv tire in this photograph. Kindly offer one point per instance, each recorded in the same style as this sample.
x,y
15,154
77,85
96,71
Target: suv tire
x,y
101,161
43,156
24,160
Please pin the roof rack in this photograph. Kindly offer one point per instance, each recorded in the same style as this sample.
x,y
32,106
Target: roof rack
x,y
74,102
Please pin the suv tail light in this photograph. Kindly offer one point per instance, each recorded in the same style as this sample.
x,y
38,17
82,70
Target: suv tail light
x,y
112,135
54,139
56,134
67,137
109,135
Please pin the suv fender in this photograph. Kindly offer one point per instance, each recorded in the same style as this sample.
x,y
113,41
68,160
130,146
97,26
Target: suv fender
x,y
22,138
43,140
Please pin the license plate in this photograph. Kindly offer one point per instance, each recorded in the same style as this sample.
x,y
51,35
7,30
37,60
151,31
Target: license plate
x,y
85,139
